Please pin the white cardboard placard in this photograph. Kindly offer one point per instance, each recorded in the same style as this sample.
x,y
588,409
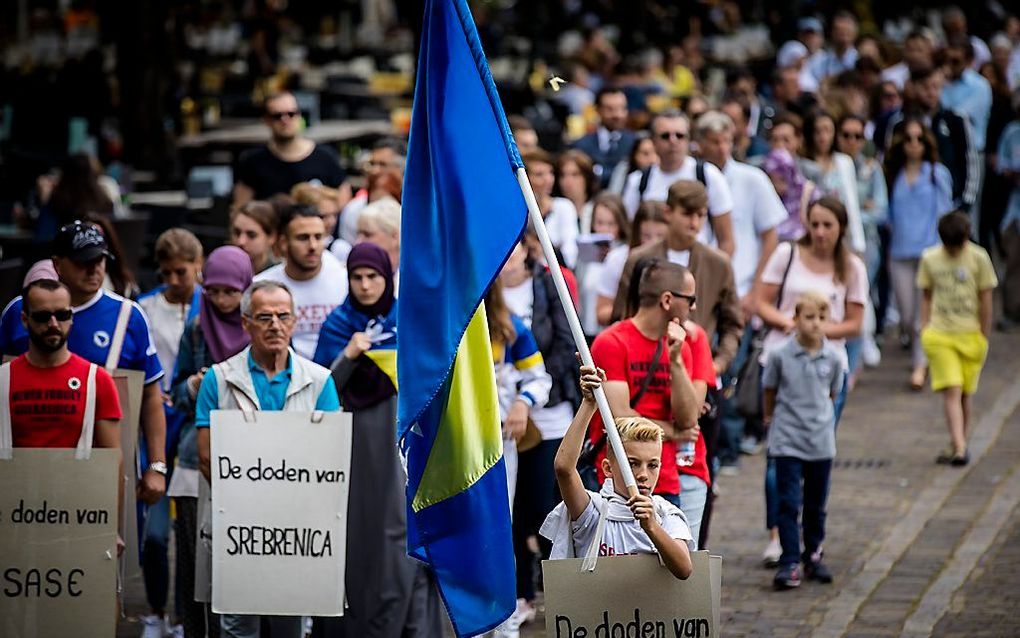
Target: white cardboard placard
x,y
630,596
58,543
279,499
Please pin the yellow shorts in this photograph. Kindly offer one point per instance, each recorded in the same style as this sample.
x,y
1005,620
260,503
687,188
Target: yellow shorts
x,y
955,359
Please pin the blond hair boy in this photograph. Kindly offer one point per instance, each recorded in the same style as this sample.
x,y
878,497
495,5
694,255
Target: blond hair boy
x,y
642,524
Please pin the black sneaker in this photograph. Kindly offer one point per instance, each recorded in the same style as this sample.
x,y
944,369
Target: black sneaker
x,y
787,577
817,571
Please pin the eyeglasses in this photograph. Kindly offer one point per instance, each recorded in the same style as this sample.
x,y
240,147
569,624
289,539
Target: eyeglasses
x,y
280,115
43,317
674,134
689,298
847,135
890,95
265,319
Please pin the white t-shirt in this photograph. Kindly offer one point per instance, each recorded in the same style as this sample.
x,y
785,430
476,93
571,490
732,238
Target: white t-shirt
x,y
756,209
167,323
624,537
679,257
800,280
720,200
561,222
612,270
552,421
314,299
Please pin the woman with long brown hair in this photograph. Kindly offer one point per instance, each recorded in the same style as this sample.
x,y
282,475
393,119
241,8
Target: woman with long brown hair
x,y
576,181
920,192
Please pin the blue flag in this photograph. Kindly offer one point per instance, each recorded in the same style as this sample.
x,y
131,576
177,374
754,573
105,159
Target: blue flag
x,y
463,211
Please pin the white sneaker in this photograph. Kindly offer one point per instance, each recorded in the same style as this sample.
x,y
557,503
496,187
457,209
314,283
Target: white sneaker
x,y
770,557
153,626
870,353
511,627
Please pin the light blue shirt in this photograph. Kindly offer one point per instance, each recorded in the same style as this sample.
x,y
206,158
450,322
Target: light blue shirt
x,y
971,98
1009,160
828,63
915,210
272,393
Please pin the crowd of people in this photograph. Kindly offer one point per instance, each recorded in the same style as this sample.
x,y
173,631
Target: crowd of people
x,y
738,258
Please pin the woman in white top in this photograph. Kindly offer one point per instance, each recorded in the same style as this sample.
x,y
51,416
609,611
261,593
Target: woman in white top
x,y
559,213
833,173
576,181
648,226
609,230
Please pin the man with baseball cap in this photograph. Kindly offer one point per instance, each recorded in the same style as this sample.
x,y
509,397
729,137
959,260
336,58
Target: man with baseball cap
x,y
108,330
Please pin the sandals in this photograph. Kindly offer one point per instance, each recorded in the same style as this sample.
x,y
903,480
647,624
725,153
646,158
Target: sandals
x,y
950,457
917,378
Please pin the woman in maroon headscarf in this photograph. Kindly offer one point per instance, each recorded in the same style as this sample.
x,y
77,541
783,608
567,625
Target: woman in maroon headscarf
x,y
213,336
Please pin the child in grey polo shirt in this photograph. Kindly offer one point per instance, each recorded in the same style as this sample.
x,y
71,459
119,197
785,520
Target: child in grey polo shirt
x,y
801,379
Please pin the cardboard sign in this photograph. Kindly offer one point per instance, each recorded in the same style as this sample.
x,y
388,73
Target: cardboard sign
x,y
130,385
632,596
58,544
279,517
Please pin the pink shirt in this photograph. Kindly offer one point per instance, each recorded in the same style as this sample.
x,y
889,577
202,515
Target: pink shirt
x,y
800,280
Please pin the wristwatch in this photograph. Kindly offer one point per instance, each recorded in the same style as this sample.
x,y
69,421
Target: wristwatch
x,y
159,467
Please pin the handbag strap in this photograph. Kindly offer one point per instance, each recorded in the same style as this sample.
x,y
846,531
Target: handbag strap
x,y
786,271
120,330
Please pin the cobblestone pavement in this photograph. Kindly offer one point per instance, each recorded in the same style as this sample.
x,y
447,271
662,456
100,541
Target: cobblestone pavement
x,y
916,549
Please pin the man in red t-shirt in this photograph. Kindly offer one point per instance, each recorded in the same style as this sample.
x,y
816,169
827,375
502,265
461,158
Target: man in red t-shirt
x,y
625,351
48,384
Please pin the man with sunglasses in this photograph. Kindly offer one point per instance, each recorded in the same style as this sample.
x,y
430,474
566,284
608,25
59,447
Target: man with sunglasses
x,y
670,132
48,384
265,376
288,158
103,322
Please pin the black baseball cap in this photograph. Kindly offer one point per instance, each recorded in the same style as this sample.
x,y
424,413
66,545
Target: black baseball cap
x,y
80,242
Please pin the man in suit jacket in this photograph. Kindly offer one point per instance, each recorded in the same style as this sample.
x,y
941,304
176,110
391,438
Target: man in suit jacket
x,y
717,308
611,143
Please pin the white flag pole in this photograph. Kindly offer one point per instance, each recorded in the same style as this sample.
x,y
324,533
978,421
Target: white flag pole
x,y
575,329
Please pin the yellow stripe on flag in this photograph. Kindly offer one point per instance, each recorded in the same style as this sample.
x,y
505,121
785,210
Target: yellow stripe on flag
x,y
385,360
468,441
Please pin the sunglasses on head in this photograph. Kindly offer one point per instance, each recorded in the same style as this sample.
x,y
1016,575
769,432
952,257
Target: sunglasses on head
x,y
674,134
280,115
43,317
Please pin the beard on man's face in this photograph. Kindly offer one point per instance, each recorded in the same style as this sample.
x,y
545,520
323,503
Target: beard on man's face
x,y
47,341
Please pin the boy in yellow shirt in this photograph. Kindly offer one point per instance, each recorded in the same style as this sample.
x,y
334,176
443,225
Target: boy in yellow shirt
x,y
957,280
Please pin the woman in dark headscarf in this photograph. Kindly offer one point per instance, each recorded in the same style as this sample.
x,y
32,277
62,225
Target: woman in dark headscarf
x,y
388,593
213,336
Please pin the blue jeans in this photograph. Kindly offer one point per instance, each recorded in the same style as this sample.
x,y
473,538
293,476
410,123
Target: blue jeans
x,y
693,495
237,626
673,499
154,525
801,484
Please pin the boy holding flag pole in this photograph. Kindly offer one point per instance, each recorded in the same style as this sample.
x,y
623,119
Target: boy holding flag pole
x,y
465,213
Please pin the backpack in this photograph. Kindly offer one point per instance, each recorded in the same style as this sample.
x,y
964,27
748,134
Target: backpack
x,y
699,174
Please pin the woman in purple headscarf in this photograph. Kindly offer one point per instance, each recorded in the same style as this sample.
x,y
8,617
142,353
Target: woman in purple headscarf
x,y
792,187
213,336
